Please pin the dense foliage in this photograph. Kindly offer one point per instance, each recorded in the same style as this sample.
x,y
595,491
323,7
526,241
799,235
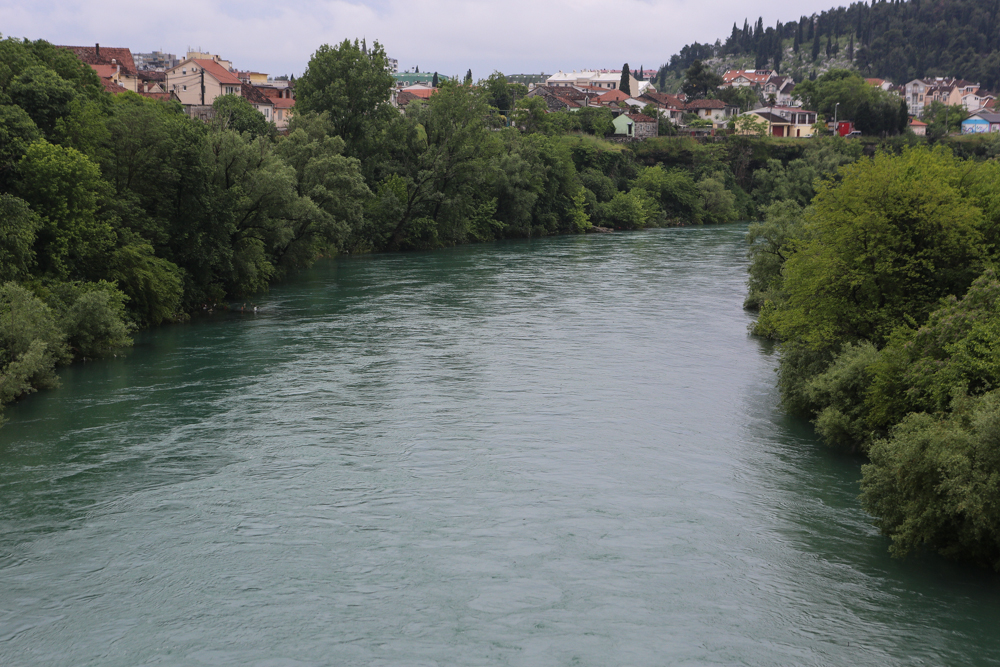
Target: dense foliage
x,y
882,293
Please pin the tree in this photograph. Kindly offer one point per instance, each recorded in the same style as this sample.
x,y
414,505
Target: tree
x,y
699,80
65,189
468,78
18,227
884,244
625,85
235,113
434,81
353,88
749,125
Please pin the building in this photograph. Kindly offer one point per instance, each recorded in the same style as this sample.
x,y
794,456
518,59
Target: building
x,y
116,63
787,121
198,81
716,111
605,79
393,65
981,122
258,100
635,125
918,127
920,93
157,60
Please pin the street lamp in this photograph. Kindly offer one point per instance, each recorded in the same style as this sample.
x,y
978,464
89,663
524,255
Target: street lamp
x,y
836,128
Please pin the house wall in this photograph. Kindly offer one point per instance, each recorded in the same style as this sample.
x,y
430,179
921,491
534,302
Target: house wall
x,y
185,80
975,126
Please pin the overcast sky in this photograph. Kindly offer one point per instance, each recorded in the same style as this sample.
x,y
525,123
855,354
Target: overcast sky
x,y
448,36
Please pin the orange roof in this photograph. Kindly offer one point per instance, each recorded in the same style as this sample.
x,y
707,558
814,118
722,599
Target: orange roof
x,y
112,87
103,55
283,102
423,93
914,121
612,96
105,71
218,72
641,118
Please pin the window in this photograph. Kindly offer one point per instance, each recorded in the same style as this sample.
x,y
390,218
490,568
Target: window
x,y
184,87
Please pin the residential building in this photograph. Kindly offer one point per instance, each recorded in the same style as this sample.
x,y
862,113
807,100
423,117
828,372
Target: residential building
x,y
918,127
393,65
920,93
282,112
787,121
258,100
199,81
716,111
201,55
604,79
157,60
635,125
109,58
743,78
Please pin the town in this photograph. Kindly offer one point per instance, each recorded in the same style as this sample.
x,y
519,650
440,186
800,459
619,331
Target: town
x,y
638,110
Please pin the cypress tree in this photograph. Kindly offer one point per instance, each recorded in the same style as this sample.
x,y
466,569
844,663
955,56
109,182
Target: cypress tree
x,y
850,49
815,49
624,85
434,81
468,77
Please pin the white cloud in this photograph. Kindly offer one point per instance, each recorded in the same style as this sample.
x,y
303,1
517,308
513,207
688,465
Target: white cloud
x,y
448,36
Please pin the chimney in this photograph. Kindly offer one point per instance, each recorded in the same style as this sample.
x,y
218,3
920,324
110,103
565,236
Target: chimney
x,y
97,49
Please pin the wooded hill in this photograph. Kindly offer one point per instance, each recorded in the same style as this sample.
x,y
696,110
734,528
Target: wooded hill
x,y
893,39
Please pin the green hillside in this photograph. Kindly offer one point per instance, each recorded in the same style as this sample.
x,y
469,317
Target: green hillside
x,y
898,41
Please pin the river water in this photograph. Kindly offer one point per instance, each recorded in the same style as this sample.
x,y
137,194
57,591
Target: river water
x,y
552,452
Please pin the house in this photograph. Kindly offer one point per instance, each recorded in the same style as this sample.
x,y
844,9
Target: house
x,y
282,111
635,125
743,78
259,101
918,127
981,122
947,90
669,106
644,126
787,121
716,111
780,87
109,59
557,99
198,81
151,81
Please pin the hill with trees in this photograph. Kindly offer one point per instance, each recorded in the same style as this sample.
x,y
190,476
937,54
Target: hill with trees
x,y
895,40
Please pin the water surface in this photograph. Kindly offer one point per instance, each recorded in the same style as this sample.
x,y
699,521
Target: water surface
x,y
550,452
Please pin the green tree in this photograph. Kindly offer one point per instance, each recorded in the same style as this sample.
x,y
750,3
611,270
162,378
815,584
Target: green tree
x,y
699,80
353,88
65,189
43,94
884,244
18,227
235,113
625,85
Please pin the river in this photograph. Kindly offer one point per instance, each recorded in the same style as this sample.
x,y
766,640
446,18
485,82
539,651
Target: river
x,y
562,451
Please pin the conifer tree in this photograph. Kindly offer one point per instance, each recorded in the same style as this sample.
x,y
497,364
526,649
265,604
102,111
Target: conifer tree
x,y
434,81
468,77
625,86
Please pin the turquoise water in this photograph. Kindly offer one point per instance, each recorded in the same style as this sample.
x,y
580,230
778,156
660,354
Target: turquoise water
x,y
552,452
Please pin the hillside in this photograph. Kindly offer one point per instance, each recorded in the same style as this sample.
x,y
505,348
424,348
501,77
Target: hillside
x,y
898,41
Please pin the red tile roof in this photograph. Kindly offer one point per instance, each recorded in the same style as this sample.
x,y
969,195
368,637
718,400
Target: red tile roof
x,y
112,87
218,72
613,96
105,71
254,96
89,55
641,118
421,92
283,102
705,104
404,97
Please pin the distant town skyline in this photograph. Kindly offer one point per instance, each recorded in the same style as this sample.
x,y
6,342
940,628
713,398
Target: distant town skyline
x,y
447,36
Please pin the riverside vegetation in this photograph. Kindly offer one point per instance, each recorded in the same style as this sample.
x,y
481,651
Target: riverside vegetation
x,y
120,212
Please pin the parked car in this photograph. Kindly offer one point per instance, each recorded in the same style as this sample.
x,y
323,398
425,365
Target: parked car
x,y
851,135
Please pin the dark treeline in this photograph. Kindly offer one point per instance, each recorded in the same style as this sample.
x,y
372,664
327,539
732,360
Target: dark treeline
x,y
895,40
